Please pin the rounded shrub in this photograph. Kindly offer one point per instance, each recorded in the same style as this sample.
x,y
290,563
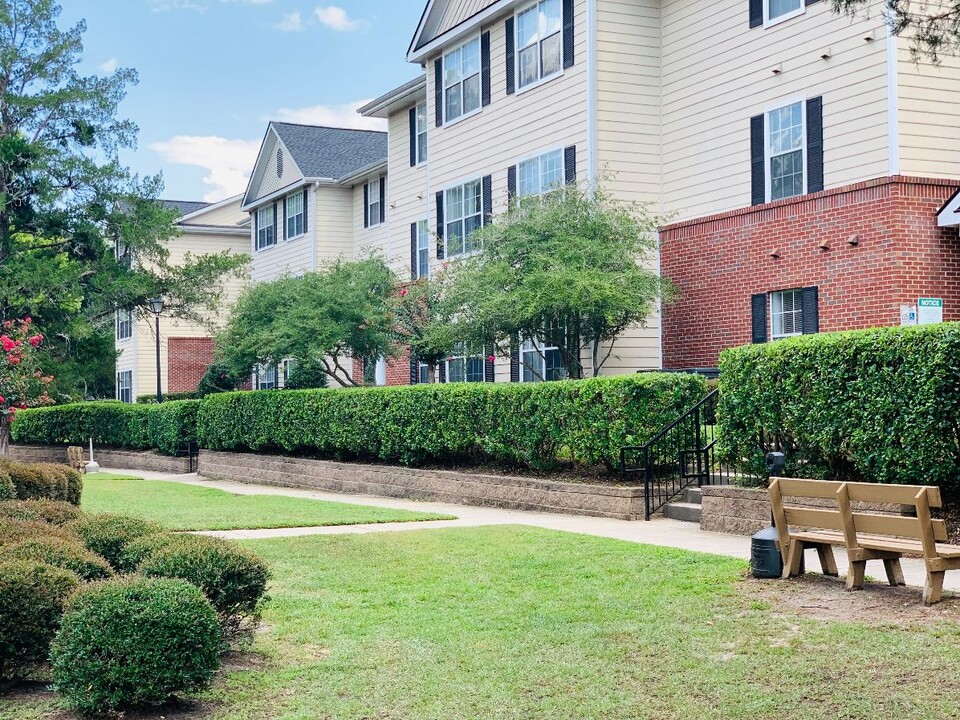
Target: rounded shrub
x,y
32,598
59,552
107,534
35,481
135,642
7,490
55,512
138,550
14,531
233,578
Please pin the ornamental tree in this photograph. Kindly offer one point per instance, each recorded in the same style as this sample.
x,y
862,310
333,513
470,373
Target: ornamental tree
x,y
422,323
933,27
571,269
22,382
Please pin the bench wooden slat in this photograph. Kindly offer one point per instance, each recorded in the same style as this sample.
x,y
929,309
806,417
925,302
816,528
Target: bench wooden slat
x,y
892,494
824,489
906,527
811,518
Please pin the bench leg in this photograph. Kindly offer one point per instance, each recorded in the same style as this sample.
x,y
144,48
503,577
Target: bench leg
x,y
894,571
828,563
855,575
794,565
933,590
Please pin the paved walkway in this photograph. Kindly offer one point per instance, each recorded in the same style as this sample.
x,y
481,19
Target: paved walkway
x,y
662,532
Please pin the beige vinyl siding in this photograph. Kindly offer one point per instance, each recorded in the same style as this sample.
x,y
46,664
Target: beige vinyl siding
x,y
929,115
267,181
335,224
228,215
376,238
285,257
457,11
718,72
408,195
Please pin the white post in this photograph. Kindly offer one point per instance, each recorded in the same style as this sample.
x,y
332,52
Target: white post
x,y
92,467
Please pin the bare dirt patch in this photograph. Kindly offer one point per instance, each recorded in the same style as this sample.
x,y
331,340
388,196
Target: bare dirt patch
x,y
824,598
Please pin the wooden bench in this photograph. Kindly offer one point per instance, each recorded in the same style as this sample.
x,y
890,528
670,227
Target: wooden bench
x,y
865,535
75,458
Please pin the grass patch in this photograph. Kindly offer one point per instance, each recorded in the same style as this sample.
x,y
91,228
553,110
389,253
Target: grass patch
x,y
520,623
193,507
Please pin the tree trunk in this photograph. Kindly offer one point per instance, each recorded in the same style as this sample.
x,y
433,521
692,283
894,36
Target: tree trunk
x,y
4,436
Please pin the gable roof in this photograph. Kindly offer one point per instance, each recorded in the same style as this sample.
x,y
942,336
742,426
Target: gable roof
x,y
443,17
184,207
331,153
408,94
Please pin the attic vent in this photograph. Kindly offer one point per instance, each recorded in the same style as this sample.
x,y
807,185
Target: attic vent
x,y
279,163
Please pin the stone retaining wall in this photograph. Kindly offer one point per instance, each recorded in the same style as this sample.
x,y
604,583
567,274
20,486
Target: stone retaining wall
x,y
745,511
514,493
118,459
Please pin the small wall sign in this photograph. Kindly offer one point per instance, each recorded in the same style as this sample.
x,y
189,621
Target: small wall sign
x,y
929,311
908,314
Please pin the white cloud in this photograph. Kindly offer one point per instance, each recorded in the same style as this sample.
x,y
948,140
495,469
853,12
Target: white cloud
x,y
336,18
342,116
292,22
109,67
165,5
228,162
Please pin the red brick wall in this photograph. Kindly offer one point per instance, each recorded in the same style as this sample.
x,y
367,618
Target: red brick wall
x,y
398,371
187,360
718,262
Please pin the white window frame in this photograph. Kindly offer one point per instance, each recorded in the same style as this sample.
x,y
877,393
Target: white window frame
x,y
265,235
423,248
539,160
288,217
538,41
420,131
460,355
373,200
776,311
536,348
768,156
769,21
270,372
124,321
447,120
423,373
125,388
462,219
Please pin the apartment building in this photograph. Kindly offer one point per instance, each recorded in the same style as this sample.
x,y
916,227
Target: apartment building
x,y
186,348
807,166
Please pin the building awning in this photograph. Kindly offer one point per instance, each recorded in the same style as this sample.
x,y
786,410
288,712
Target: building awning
x,y
949,214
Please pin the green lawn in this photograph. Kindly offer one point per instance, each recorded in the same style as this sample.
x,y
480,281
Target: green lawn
x,y
192,507
507,622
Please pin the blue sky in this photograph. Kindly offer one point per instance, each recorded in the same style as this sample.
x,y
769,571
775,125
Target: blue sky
x,y
213,72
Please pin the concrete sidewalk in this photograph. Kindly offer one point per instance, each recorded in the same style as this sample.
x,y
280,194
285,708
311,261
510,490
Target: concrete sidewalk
x,y
662,532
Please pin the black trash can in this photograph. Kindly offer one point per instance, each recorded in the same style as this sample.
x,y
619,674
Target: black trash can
x,y
765,559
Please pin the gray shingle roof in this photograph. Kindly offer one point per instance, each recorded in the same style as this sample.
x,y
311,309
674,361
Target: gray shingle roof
x,y
324,152
184,207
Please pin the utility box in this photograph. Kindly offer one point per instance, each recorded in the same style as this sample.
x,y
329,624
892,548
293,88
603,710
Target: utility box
x,y
765,559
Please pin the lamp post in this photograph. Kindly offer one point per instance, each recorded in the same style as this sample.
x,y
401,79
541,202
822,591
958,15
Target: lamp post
x,y
156,307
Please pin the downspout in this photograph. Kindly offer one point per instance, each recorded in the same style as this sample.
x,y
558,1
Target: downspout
x,y
893,104
592,91
316,223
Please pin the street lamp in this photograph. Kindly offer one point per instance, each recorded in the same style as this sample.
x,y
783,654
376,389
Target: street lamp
x,y
156,307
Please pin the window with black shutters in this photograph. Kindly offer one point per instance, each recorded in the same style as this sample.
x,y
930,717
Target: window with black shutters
x,y
786,146
792,312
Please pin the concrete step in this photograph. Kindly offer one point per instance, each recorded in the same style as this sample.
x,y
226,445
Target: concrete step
x,y
688,512
693,495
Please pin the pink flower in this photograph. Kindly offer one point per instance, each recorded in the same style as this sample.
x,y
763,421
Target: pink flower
x,y
8,344
2,399
36,340
491,359
403,292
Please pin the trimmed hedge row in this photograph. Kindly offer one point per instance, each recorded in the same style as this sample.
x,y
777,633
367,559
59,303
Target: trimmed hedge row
x,y
167,397
110,424
880,405
39,481
529,424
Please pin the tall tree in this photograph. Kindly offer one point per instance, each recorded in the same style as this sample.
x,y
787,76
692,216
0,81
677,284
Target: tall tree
x,y
569,270
80,236
933,26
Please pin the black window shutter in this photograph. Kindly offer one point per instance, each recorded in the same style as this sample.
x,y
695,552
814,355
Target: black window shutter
x,y
383,199
758,309
487,191
815,144
440,248
514,361
414,370
366,205
758,180
511,56
570,165
413,251
756,13
489,371
443,371
568,38
810,305
275,236
306,196
413,136
512,181
438,89
485,68
284,218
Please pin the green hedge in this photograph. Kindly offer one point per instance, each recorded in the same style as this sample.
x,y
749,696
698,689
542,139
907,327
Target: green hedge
x,y
167,397
527,424
878,405
110,424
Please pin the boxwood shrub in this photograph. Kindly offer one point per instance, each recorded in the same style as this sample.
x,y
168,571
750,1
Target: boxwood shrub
x,y
43,481
533,424
110,424
108,534
878,405
60,552
48,511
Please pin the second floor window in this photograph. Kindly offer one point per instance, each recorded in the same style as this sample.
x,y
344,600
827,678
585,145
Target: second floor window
x,y
423,249
785,151
124,324
541,174
461,80
539,42
421,133
782,9
125,386
266,224
464,216
295,219
373,203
